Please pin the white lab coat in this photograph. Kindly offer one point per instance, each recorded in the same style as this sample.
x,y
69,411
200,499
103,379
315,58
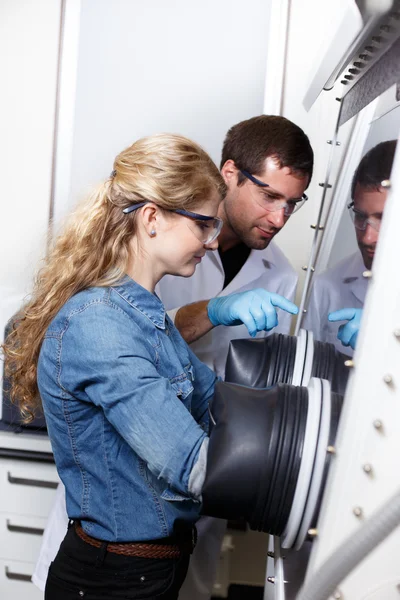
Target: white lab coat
x,y
342,286
268,269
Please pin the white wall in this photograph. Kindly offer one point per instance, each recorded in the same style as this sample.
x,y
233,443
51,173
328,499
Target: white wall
x,y
29,36
145,67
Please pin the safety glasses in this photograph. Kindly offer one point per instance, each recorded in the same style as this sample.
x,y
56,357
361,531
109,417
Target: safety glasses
x,y
205,228
266,200
361,220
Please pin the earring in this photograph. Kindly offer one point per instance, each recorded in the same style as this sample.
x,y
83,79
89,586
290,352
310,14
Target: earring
x,y
153,232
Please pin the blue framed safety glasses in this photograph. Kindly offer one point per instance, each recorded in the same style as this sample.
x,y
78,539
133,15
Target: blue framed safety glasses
x,y
361,220
268,202
205,228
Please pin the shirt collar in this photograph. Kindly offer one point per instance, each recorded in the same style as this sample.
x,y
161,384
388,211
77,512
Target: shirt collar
x,y
142,300
353,276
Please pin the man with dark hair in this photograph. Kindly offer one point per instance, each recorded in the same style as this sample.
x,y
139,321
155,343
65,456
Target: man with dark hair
x,y
267,163
338,294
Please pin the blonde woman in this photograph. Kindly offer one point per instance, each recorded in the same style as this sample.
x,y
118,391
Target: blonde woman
x,y
125,399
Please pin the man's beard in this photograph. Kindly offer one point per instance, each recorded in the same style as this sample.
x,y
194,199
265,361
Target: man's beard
x,y
368,257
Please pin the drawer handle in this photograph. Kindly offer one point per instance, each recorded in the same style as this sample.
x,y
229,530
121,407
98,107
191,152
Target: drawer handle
x,y
24,529
34,482
17,576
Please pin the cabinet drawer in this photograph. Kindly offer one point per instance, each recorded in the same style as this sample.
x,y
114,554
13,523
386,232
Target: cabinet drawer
x,y
15,583
20,537
27,488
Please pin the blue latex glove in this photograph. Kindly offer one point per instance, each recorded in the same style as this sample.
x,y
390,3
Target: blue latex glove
x,y
255,308
348,332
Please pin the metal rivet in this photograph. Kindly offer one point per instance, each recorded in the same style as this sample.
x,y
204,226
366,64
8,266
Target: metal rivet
x,y
388,378
378,424
357,511
367,468
272,555
338,595
367,274
272,580
304,310
386,183
396,333
349,363
320,227
331,450
305,268
325,185
143,578
312,532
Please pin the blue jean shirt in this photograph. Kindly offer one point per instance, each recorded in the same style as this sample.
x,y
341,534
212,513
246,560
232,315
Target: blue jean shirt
x,y
126,404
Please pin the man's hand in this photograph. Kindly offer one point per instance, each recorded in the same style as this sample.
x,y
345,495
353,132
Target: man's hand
x,y
348,332
255,308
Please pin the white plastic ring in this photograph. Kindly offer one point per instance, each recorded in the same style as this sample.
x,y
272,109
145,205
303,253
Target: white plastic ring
x,y
300,357
309,358
306,466
319,463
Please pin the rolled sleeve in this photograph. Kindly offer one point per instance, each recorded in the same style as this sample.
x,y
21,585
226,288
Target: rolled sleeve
x,y
115,367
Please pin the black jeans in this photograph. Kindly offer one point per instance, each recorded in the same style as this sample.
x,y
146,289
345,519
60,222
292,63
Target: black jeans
x,y
83,571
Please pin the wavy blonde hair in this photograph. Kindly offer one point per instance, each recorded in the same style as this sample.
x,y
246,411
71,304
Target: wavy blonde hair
x,y
93,247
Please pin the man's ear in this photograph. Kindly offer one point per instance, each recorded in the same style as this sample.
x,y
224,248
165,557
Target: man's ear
x,y
229,172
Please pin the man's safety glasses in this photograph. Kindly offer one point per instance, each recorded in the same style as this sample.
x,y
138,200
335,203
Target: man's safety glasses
x,y
268,202
361,220
205,228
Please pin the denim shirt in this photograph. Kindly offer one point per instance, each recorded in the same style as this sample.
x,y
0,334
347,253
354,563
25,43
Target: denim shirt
x,y
126,404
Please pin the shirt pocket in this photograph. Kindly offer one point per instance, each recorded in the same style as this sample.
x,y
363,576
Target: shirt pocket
x,y
172,496
183,388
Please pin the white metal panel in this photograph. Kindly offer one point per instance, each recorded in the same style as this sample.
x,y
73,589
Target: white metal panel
x,y
372,398
277,36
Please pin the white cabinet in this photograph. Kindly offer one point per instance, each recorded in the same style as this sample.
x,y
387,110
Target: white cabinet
x,y
15,583
27,487
28,481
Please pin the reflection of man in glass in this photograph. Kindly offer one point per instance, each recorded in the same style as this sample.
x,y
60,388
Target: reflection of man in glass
x,y
343,286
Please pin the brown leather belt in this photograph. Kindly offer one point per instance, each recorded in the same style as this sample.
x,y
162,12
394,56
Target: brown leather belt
x,y
139,549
